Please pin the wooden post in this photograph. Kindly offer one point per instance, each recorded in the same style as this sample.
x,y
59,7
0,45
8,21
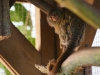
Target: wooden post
x,y
45,40
4,19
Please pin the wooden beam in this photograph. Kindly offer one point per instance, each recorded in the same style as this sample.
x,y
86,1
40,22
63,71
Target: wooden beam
x,y
11,2
46,41
20,54
45,7
51,2
22,0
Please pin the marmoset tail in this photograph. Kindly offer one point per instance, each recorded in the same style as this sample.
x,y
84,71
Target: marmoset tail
x,y
71,30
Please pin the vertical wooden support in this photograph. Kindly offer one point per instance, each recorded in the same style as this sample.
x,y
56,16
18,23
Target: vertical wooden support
x,y
8,66
45,40
48,42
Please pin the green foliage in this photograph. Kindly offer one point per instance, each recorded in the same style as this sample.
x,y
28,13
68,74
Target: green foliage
x,y
17,15
21,14
7,72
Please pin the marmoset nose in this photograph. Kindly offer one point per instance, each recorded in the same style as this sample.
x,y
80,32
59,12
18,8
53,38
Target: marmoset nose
x,y
54,18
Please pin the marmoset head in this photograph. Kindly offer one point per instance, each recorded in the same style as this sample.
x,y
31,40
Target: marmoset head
x,y
53,16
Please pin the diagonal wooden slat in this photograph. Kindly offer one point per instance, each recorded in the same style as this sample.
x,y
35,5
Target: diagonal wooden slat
x,y
19,53
8,66
45,7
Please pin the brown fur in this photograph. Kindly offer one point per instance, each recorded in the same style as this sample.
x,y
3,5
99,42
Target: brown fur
x,y
71,30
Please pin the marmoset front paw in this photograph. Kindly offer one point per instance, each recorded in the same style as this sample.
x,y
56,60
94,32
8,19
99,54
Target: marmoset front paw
x,y
51,64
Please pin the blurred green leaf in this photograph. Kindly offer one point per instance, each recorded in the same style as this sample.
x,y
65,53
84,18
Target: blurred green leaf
x,y
19,14
7,72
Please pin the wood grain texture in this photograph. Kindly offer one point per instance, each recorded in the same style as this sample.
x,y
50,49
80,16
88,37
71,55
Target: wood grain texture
x,y
46,42
20,54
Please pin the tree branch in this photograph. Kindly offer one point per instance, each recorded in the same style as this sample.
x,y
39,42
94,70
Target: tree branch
x,y
85,57
82,58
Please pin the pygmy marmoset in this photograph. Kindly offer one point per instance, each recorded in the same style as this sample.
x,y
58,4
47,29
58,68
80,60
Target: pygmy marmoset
x,y
71,30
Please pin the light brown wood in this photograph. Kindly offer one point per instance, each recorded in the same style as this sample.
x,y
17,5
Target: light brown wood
x,y
8,66
20,54
38,28
51,2
44,6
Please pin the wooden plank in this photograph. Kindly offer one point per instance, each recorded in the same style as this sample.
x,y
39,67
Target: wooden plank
x,y
47,40
20,54
44,6
8,66
22,0
51,2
